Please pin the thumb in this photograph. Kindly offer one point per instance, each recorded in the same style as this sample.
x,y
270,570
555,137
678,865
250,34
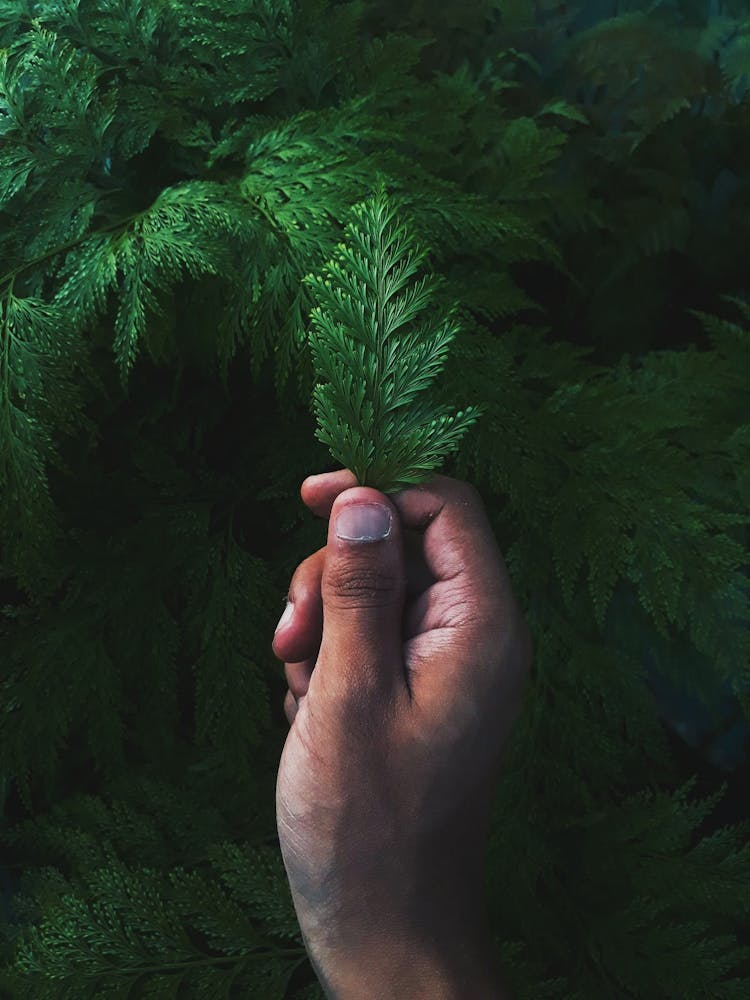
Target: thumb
x,y
363,588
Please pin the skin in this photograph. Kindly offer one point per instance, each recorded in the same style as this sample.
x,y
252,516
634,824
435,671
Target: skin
x,y
399,711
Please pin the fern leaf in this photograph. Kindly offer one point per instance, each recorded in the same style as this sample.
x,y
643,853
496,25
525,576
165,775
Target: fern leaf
x,y
364,411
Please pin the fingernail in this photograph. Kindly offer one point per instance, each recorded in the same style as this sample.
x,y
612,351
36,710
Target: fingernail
x,y
286,617
363,522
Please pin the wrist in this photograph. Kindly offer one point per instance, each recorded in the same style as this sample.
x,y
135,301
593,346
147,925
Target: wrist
x,y
401,924
441,950
395,967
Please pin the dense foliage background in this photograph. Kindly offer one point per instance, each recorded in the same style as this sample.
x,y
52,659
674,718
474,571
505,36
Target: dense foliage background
x,y
169,171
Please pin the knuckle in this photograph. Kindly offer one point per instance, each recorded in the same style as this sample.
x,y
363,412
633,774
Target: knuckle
x,y
362,585
455,490
306,579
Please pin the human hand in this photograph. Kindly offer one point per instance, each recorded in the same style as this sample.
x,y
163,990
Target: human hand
x,y
406,660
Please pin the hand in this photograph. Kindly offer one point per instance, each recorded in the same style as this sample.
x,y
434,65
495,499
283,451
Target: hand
x,y
407,660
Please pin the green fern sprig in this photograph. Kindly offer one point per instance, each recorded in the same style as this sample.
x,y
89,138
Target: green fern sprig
x,y
374,368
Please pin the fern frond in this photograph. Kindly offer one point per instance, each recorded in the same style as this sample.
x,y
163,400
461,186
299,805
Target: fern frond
x,y
129,928
231,706
364,411
38,357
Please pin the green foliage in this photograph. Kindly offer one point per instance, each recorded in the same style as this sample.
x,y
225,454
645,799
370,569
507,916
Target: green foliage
x,y
173,175
228,924
367,412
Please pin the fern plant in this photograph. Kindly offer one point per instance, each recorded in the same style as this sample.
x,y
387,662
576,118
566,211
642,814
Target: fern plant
x,y
375,365
169,173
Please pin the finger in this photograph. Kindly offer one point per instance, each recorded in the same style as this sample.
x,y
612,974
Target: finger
x,y
364,590
290,707
461,552
458,543
470,604
472,654
298,676
319,494
301,636
299,639
450,533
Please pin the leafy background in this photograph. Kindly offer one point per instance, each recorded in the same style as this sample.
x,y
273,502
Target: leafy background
x,y
169,171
